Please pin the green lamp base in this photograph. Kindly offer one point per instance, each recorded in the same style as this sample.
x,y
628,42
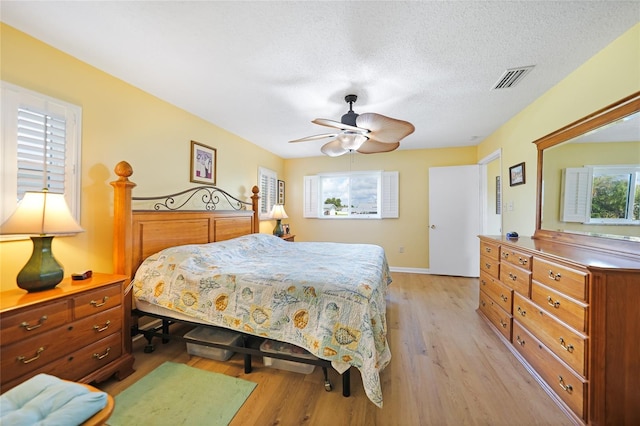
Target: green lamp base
x,y
278,231
42,271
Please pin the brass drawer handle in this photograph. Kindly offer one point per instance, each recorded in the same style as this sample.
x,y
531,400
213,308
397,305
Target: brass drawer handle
x,y
487,249
23,359
28,327
504,298
522,261
483,282
487,265
550,302
519,340
568,348
555,277
98,304
522,311
104,355
513,277
503,324
483,303
505,255
567,388
101,329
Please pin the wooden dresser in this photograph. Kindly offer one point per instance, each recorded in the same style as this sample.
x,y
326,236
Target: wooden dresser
x,y
572,317
75,331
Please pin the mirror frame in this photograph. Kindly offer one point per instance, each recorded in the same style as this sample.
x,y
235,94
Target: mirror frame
x,y
609,114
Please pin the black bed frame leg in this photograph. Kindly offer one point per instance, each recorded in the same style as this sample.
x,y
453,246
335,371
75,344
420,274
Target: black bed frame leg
x,y
346,383
165,330
247,357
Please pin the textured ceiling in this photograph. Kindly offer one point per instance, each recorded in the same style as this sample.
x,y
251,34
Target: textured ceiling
x,y
264,70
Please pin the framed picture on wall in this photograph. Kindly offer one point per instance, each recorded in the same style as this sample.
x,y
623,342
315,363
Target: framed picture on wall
x,y
516,175
203,163
280,192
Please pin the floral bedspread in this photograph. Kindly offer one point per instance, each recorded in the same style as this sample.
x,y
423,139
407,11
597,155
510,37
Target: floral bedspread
x,y
328,298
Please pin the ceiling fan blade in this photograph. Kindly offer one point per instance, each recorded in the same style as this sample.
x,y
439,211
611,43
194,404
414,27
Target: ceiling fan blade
x,y
383,128
373,147
337,125
333,149
315,137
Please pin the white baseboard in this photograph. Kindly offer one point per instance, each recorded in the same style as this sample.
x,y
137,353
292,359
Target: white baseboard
x,y
409,270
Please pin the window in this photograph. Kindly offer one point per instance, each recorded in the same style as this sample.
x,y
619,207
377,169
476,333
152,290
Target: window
x,y
268,191
601,195
355,195
40,147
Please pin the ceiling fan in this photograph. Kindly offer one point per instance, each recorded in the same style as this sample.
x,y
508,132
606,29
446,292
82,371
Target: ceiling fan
x,y
367,133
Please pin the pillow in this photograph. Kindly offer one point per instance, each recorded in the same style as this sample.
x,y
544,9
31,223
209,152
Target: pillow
x,y
46,400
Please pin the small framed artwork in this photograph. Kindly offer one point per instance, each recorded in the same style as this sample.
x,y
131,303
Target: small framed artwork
x,y
286,229
516,175
203,163
281,192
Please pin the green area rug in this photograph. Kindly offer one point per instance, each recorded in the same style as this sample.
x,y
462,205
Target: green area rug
x,y
176,394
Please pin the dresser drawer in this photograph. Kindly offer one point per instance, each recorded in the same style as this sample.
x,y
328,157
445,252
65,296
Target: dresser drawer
x,y
30,354
567,344
569,281
498,316
516,257
78,364
98,300
490,266
567,310
497,291
90,329
570,387
33,321
516,278
490,250
88,359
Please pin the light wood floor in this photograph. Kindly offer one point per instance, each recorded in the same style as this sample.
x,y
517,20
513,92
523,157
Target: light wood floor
x,y
447,368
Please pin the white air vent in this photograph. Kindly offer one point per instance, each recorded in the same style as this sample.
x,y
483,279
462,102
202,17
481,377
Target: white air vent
x,y
511,77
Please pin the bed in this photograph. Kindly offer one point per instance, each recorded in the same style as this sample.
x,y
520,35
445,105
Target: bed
x,y
212,267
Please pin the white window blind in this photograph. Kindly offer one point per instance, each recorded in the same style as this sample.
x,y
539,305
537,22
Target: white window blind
x,y
268,191
41,152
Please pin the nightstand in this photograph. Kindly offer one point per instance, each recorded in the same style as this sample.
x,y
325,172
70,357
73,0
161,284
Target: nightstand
x,y
75,331
288,237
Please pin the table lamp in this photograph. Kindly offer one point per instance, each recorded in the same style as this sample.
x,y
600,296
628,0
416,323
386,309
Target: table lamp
x,y
278,213
42,215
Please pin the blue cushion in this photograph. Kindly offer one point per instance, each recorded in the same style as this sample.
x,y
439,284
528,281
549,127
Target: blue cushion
x,y
48,400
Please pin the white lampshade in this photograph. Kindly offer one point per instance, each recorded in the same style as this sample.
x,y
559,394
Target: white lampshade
x,y
277,212
41,213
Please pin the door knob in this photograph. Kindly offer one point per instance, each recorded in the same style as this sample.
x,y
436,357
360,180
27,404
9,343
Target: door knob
x,y
433,227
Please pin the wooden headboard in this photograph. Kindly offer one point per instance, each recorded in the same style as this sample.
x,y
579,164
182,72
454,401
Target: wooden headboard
x,y
140,233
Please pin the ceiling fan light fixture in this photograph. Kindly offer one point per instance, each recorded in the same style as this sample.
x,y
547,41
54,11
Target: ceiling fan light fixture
x,y
351,141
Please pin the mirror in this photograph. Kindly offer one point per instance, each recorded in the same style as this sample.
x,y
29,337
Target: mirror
x,y
574,165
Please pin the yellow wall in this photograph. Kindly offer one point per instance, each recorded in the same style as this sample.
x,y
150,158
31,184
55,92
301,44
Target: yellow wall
x,y
608,76
120,122
409,231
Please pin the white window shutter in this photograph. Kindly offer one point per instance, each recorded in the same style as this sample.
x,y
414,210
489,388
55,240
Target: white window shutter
x,y
310,208
389,202
575,194
268,181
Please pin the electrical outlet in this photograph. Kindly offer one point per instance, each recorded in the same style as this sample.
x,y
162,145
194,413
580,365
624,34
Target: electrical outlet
x,y
401,249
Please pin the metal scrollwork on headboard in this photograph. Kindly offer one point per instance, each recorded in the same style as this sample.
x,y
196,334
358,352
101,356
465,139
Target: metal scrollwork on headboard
x,y
210,197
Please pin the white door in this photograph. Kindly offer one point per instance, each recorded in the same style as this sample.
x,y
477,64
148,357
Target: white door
x,y
454,220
